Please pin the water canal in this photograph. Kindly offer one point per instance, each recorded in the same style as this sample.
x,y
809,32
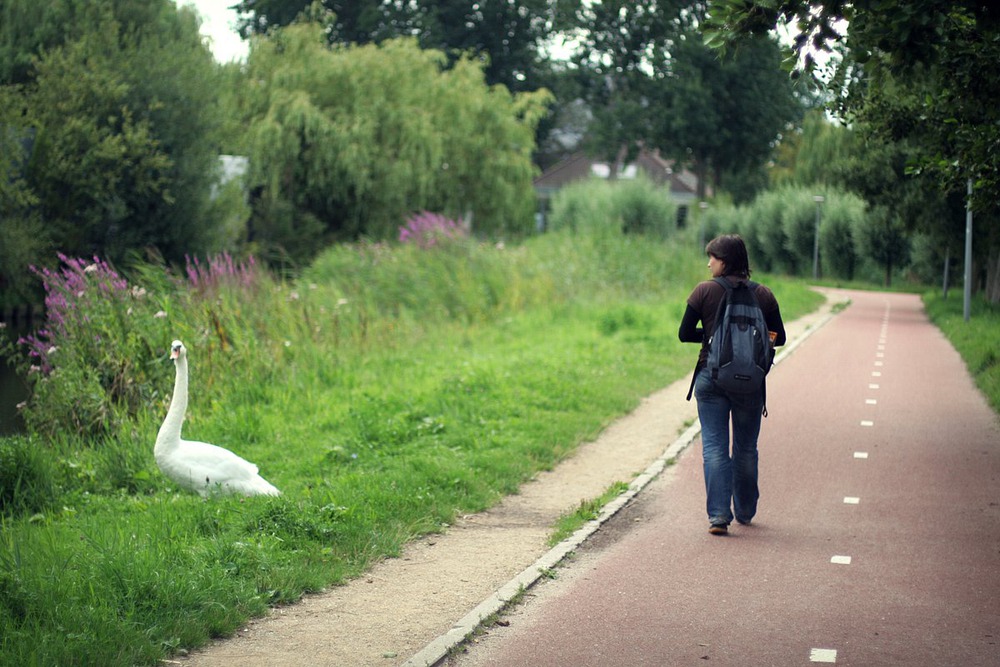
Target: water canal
x,y
13,388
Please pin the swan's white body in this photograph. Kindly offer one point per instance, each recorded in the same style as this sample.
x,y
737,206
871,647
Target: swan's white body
x,y
199,466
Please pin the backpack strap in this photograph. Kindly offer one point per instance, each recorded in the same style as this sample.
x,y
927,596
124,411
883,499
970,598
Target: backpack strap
x,y
725,283
763,385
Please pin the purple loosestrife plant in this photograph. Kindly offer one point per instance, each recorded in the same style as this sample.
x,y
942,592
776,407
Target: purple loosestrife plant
x,y
89,363
427,229
220,270
94,364
69,294
222,285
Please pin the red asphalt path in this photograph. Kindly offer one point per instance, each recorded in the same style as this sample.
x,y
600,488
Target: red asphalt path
x,y
878,449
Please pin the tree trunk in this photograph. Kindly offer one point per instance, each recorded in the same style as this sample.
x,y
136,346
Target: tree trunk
x,y
944,279
993,276
701,172
618,164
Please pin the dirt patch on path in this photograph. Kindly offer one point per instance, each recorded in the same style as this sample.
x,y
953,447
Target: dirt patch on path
x,y
405,603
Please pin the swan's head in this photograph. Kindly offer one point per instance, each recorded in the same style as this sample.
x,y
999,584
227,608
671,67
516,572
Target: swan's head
x,y
177,350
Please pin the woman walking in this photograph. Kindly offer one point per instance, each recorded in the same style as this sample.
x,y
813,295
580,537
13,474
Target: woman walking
x,y
730,477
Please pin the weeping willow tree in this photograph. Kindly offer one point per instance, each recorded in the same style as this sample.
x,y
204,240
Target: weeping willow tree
x,y
347,141
816,154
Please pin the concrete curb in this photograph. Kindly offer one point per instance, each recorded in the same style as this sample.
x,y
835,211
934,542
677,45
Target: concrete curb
x,y
435,652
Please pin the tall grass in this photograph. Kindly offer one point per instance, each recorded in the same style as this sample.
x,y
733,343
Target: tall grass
x,y
388,389
976,340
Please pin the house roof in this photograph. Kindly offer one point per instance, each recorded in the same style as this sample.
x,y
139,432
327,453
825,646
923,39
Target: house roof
x,y
683,184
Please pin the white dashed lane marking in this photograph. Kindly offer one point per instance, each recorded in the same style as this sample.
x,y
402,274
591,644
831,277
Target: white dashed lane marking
x,y
823,655
829,655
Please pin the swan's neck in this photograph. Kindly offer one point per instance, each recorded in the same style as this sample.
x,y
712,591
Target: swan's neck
x,y
170,432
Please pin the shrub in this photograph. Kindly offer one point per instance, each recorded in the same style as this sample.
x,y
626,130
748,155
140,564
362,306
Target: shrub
x,y
582,206
841,214
779,228
726,219
84,363
798,221
598,207
768,240
643,208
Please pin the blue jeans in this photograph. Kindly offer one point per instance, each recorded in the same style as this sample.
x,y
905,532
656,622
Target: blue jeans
x,y
730,481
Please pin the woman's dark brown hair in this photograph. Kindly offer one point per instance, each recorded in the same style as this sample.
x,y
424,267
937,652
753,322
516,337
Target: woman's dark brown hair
x,y
731,249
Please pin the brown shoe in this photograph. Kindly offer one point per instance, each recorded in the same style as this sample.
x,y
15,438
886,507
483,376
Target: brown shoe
x,y
718,529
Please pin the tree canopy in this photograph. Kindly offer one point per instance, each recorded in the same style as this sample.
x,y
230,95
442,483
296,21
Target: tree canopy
x,y
617,43
919,74
640,65
724,115
119,100
922,70
508,37
650,81
347,141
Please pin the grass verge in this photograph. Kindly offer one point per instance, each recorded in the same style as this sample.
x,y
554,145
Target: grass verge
x,y
977,340
588,510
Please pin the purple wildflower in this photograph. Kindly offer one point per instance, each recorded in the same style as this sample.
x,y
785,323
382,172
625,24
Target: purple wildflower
x,y
67,290
428,229
220,270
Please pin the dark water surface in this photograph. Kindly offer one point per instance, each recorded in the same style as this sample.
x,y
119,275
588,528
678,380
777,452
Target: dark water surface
x,y
13,389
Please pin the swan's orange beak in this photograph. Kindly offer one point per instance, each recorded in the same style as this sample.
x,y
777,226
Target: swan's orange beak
x,y
175,352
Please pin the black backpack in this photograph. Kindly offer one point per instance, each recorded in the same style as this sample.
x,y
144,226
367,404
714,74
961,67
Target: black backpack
x,y
739,349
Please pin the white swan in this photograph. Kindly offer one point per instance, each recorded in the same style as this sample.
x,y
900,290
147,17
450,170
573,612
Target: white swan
x,y
198,466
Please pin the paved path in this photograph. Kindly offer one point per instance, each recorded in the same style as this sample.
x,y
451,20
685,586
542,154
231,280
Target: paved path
x,y
877,541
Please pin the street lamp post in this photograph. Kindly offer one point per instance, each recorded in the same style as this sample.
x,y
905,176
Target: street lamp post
x,y
702,205
819,201
967,287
